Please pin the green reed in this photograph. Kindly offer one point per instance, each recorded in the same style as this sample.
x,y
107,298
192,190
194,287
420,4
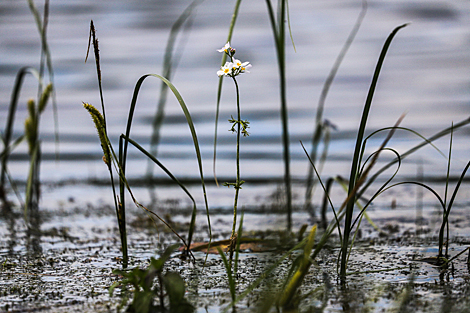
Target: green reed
x,y
32,122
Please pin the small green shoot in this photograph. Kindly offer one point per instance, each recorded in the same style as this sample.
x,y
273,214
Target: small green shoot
x,y
169,285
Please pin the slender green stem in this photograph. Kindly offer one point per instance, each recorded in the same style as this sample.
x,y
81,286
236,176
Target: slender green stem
x,y
237,184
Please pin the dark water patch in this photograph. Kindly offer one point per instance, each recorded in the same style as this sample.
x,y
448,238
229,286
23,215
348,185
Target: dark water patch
x,y
430,10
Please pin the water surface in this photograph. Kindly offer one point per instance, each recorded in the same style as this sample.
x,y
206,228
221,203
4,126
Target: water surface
x,y
425,75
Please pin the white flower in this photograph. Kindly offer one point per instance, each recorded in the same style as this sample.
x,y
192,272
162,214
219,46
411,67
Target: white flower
x,y
244,68
225,48
237,63
241,67
225,70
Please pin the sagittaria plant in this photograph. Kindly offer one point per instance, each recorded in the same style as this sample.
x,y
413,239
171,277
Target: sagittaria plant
x,y
232,69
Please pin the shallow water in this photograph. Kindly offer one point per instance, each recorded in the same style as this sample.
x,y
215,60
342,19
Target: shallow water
x,y
68,267
424,75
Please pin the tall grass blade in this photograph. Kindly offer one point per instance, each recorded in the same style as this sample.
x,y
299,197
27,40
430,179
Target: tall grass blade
x,y
106,145
356,159
447,188
278,28
219,88
317,134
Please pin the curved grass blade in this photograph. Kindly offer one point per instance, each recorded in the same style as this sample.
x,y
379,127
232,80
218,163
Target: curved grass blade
x,y
378,192
434,137
353,179
400,128
219,88
123,148
11,116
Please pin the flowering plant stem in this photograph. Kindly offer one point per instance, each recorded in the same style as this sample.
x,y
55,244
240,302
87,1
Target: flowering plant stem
x,y
233,69
238,182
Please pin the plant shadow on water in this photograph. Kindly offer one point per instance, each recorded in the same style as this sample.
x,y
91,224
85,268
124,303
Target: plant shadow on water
x,y
68,260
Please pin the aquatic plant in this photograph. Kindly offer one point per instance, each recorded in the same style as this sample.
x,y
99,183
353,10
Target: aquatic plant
x,y
278,29
151,283
219,88
232,69
297,272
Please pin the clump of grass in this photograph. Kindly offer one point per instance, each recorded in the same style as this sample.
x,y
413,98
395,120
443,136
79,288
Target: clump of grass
x,y
354,179
442,258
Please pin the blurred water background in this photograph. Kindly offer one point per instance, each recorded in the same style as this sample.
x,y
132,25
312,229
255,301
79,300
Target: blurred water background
x,y
425,75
